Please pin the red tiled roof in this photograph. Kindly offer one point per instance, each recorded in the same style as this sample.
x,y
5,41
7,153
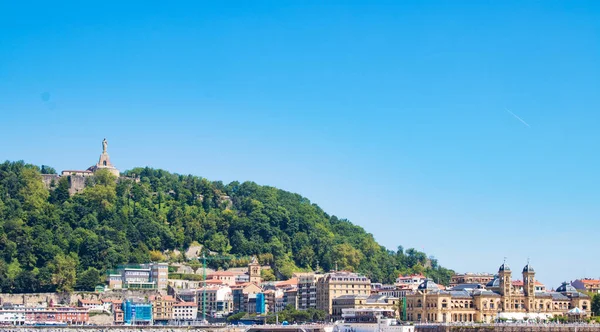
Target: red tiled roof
x,y
161,298
221,274
591,281
90,302
289,282
185,304
214,282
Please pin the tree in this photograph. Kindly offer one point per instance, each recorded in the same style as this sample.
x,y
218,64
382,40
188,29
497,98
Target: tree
x,y
47,170
596,304
64,272
88,280
267,275
237,316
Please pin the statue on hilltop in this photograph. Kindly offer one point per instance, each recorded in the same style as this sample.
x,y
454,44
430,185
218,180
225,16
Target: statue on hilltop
x,y
104,145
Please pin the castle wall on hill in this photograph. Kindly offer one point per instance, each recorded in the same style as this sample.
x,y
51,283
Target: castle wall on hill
x,y
50,180
34,299
76,184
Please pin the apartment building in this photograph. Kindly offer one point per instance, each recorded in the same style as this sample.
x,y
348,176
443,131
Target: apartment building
x,y
587,285
162,307
336,284
307,290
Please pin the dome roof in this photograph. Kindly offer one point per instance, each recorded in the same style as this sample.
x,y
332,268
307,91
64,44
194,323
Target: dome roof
x,y
528,268
494,283
566,288
428,285
504,267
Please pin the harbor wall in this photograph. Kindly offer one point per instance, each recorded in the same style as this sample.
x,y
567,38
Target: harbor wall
x,y
509,328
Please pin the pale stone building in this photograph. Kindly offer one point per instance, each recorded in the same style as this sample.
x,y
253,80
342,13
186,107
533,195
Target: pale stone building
x,y
336,284
499,299
363,302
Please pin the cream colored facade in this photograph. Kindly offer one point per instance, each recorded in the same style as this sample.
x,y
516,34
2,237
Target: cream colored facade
x,y
162,307
363,302
501,299
336,284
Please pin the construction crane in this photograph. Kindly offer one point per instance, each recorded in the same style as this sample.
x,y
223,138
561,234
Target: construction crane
x,y
204,258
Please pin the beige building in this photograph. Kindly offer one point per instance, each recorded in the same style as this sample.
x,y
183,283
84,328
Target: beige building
x,y
363,302
226,277
336,284
499,300
162,307
471,278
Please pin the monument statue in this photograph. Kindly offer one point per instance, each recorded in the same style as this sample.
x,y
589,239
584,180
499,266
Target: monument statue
x,y
104,145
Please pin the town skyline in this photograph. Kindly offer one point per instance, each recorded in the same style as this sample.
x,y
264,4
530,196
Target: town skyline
x,y
464,131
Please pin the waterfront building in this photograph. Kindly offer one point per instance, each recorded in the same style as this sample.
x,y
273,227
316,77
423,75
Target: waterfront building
x,y
340,304
307,290
241,295
499,299
185,311
137,313
162,307
336,284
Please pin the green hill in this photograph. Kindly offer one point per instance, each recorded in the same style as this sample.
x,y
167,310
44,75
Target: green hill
x,y
50,241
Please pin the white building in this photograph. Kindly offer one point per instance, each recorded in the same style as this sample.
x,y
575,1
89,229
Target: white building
x,y
185,311
410,282
12,317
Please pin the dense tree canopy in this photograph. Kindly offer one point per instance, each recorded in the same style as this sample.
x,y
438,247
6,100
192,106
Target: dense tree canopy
x,y
52,241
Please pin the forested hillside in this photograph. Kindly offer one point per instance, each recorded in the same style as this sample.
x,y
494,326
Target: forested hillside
x,y
50,241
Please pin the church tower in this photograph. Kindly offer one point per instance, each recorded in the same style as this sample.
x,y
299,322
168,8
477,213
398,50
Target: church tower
x,y
529,286
254,271
504,274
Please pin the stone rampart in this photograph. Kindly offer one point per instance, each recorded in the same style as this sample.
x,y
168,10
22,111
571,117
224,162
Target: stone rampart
x,y
33,299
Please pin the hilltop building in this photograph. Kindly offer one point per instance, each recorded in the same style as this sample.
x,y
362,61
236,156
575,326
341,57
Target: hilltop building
x,y
77,178
143,276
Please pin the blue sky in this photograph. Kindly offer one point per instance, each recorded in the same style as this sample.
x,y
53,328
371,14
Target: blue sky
x,y
391,114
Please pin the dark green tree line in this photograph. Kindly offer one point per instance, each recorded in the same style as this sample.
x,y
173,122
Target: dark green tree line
x,y
52,241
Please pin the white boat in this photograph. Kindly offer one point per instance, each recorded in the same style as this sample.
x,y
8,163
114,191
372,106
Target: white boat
x,y
370,320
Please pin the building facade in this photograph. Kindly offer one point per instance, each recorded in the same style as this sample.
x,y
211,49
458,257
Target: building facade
x,y
470,278
336,284
162,307
307,290
344,302
587,285
498,300
143,276
185,311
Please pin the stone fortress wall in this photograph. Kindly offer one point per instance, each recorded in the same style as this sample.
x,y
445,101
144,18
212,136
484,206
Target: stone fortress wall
x,y
34,299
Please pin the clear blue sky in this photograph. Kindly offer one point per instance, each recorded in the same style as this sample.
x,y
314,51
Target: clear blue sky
x,y
391,114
